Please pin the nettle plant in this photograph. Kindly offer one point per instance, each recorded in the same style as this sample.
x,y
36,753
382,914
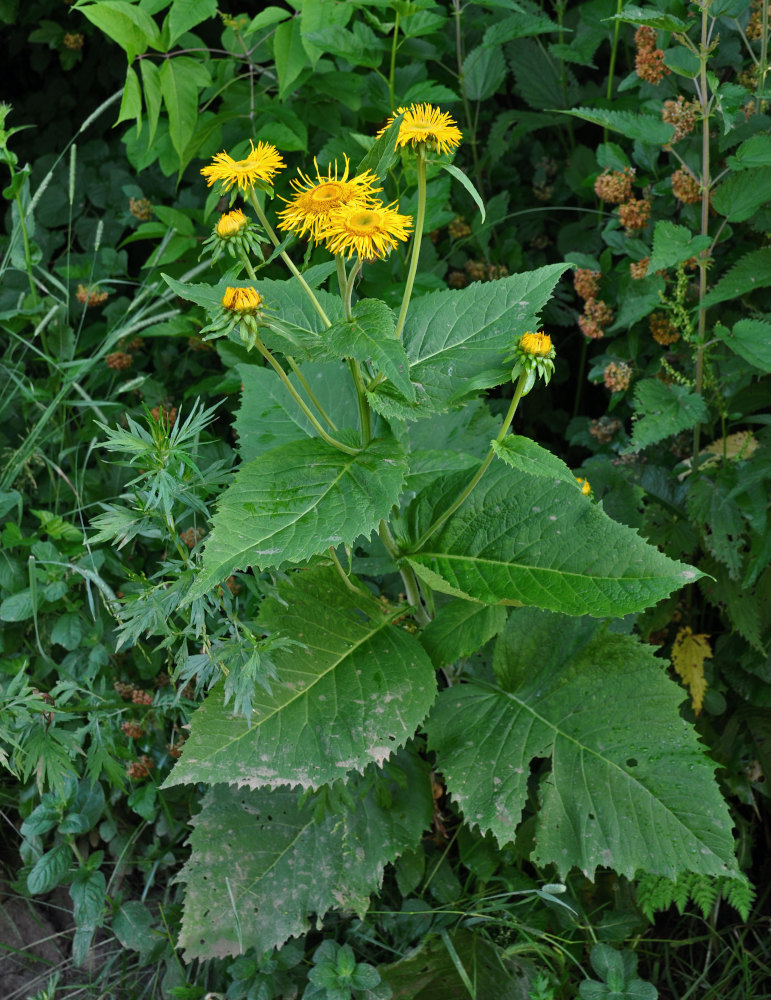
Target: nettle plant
x,y
395,527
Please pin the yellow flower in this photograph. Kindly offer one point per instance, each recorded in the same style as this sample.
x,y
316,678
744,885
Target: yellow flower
x,y
423,123
313,202
538,344
260,165
231,223
370,230
584,484
244,301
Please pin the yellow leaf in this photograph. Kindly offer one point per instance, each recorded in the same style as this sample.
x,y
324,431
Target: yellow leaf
x,y
689,652
735,447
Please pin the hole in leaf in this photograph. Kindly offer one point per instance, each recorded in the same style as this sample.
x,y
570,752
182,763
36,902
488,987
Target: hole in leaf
x,y
632,762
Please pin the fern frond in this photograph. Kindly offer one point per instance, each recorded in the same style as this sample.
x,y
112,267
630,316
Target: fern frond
x,y
740,894
704,892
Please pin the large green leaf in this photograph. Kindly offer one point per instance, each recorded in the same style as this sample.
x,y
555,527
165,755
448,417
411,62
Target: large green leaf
x,y
741,194
526,455
269,416
523,539
370,336
181,79
630,787
298,500
646,128
750,339
186,14
456,340
262,866
752,271
352,691
662,410
673,244
460,628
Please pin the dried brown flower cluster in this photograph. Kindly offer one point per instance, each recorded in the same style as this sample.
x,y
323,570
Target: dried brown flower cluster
x,y
73,40
543,192
681,114
634,214
141,208
615,186
192,536
604,429
119,361
617,376
662,330
754,27
497,271
161,413
649,61
685,187
133,730
457,279
639,268
89,295
586,282
138,769
459,228
596,317
475,269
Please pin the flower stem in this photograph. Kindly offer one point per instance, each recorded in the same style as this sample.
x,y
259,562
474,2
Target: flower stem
x,y
301,403
482,468
286,258
345,282
407,573
417,236
292,363
612,67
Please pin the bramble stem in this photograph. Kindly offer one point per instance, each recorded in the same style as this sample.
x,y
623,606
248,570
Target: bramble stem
x,y
417,236
286,258
482,468
301,402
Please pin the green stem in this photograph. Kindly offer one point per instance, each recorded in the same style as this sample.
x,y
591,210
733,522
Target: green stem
x,y
392,68
343,575
763,63
705,193
482,468
466,106
345,282
580,377
407,573
365,421
612,67
292,363
301,402
25,239
417,236
286,258
342,282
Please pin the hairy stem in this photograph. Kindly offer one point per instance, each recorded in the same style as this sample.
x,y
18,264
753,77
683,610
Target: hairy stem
x,y
301,402
417,236
286,258
407,573
482,468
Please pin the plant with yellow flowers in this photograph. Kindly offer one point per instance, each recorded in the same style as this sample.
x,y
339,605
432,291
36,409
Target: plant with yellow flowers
x,y
393,527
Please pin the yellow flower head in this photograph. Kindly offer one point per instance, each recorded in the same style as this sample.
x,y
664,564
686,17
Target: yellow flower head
x,y
244,301
423,123
538,344
260,165
584,484
368,229
231,224
313,202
